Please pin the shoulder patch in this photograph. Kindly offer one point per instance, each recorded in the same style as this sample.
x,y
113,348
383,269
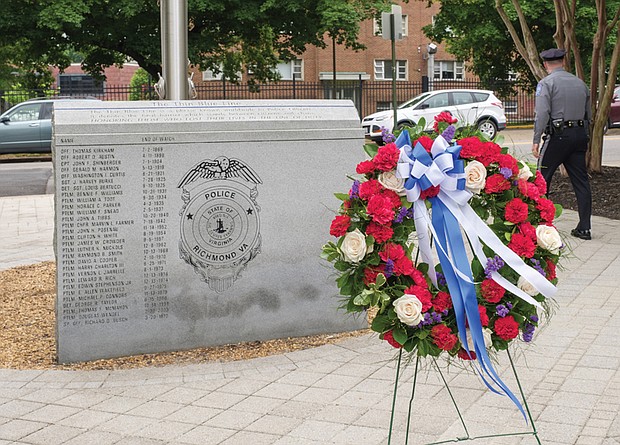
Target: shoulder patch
x,y
538,89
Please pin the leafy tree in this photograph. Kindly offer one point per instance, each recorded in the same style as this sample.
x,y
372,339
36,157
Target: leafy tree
x,y
511,38
223,34
141,86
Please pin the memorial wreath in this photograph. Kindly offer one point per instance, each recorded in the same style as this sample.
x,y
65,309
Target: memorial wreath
x,y
470,207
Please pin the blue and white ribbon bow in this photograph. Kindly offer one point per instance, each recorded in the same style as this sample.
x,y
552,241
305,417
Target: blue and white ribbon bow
x,y
451,213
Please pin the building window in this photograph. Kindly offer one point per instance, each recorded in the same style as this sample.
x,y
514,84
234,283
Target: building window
x,y
383,70
212,75
511,106
384,106
448,70
377,30
79,85
290,70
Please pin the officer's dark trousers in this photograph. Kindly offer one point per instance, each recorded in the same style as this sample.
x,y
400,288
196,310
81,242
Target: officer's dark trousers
x,y
569,148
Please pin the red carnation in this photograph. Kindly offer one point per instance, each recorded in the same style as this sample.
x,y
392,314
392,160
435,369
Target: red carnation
x,y
496,184
484,318
442,301
370,188
540,183
403,266
490,153
516,211
426,142
387,157
491,291
528,230
418,278
471,147
393,197
462,354
423,294
508,161
547,209
380,209
365,167
506,328
443,337
551,275
430,192
392,252
444,116
370,274
522,245
389,337
528,189
379,232
340,225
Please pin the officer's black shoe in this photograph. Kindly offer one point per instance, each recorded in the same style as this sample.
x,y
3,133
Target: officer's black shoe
x,y
583,234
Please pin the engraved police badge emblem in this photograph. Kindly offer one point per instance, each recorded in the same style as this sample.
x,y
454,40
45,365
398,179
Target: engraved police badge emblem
x,y
220,227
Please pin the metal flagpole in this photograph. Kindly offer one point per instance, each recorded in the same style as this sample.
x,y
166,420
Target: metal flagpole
x,y
174,84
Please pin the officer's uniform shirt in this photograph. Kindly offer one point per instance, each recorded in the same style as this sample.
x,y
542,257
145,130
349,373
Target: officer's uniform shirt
x,y
560,95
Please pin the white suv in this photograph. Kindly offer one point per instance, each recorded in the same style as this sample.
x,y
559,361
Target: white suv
x,y
480,108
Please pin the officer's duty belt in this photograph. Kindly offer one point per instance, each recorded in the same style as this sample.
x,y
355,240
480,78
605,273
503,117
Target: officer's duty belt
x,y
571,124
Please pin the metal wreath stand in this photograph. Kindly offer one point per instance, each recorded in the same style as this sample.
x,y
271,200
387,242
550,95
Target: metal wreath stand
x,y
467,436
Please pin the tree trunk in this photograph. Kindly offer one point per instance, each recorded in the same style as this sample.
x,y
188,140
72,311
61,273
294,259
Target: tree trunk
x,y
527,48
602,84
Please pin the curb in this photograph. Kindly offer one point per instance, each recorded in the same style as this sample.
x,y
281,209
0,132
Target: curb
x,y
15,159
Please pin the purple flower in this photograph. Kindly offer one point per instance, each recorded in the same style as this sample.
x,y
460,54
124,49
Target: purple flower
x,y
402,214
528,332
389,268
536,265
501,310
534,318
441,279
506,172
509,305
355,189
387,136
436,317
493,265
448,133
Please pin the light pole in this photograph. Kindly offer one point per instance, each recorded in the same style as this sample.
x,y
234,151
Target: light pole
x,y
392,27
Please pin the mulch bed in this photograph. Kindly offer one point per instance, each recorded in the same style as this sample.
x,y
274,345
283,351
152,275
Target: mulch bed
x,y
27,296
605,192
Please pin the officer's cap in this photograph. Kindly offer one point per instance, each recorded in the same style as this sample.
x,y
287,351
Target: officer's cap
x,y
553,54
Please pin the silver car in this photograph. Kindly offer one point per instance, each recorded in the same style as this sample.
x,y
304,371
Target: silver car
x,y
27,127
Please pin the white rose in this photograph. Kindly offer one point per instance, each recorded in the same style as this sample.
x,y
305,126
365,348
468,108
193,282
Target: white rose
x,y
475,176
391,182
525,172
354,246
409,310
527,287
486,335
548,238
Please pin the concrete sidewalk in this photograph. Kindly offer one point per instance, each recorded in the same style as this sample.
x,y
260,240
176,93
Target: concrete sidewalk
x,y
334,394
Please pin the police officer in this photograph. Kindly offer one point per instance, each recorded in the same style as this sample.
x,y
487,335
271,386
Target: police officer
x,y
563,113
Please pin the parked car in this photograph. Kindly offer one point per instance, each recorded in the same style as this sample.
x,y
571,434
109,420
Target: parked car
x,y
27,127
471,107
614,111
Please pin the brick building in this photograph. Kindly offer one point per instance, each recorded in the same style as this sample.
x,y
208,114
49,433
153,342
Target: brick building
x,y
362,76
